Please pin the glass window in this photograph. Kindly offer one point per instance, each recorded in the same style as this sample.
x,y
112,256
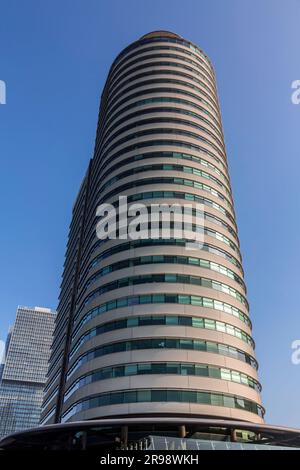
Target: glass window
x,y
158,320
227,308
187,369
220,326
158,368
212,347
131,369
198,322
230,330
204,263
134,321
170,298
209,324
158,259
186,344
206,283
144,321
188,169
240,403
246,381
145,299
200,345
228,401
218,305
203,397
144,368
195,280
121,303
171,320
201,370
174,395
131,396
172,343
117,397
158,343
101,309
159,395
111,305
170,277
214,372
225,374
189,396
183,299
239,334
216,400
196,300
95,401
118,371
133,301
185,321
173,368
158,298
106,373
208,303
235,376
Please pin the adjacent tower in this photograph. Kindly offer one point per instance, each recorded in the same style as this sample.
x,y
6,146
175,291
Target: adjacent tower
x,y
23,377
148,327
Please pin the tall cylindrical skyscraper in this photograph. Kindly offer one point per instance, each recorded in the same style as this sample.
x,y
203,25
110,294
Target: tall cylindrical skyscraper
x,y
148,327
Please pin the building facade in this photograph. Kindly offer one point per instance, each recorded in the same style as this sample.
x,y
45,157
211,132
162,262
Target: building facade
x,y
5,353
147,326
26,358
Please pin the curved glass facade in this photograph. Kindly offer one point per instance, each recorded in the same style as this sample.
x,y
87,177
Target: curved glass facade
x,y
174,320
155,368
165,395
169,311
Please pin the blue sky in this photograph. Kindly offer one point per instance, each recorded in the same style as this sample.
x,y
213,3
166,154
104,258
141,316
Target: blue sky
x,y
54,57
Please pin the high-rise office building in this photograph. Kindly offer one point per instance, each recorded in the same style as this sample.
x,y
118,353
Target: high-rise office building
x,y
5,353
1,370
148,327
26,358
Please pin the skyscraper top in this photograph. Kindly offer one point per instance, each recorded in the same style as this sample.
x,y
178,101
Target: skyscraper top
x,y
37,309
160,33
157,36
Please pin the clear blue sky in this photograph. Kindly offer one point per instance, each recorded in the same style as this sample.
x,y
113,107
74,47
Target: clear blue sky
x,y
54,56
